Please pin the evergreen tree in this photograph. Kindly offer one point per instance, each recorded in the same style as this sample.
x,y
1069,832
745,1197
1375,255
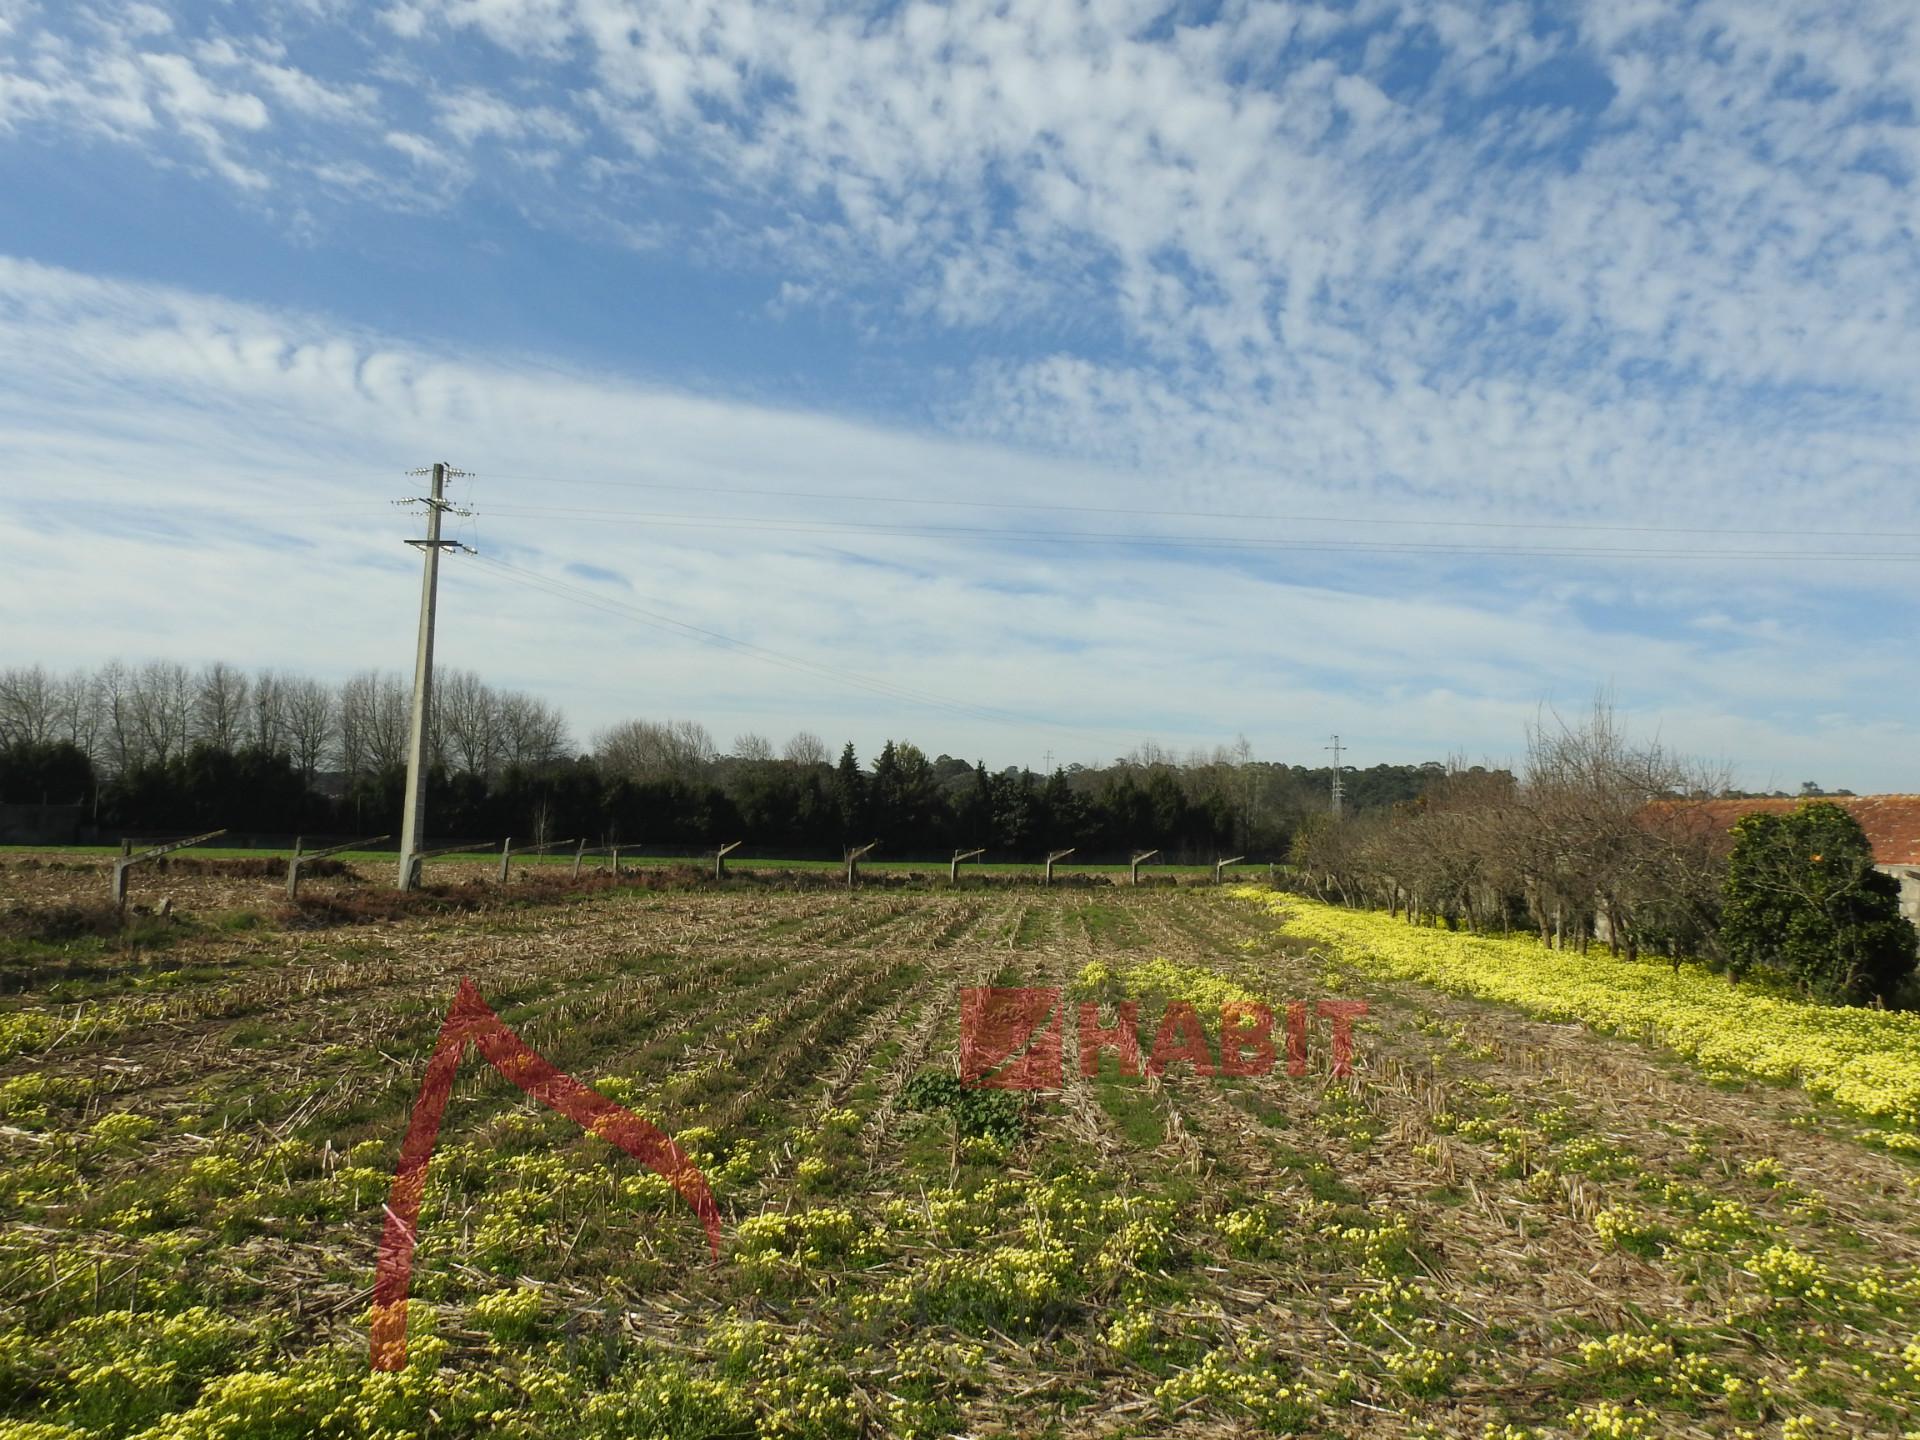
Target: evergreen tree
x,y
53,772
1804,899
850,796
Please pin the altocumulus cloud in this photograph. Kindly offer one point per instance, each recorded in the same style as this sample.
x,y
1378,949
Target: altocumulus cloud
x,y
1541,266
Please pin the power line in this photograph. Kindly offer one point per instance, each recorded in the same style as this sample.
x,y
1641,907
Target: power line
x,y
884,688
1127,539
1132,539
843,497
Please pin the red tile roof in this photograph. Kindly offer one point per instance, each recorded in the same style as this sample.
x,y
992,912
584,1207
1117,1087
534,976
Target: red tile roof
x,y
1892,822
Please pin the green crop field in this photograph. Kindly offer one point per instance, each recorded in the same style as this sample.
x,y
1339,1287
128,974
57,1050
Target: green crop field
x,y
1500,1223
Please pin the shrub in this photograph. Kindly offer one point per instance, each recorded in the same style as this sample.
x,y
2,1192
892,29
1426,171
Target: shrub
x,y
1803,898
977,1114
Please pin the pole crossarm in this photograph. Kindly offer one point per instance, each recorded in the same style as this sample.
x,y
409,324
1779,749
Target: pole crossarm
x,y
127,861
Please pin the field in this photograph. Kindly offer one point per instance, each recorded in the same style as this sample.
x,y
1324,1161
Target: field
x,y
641,858
1502,1222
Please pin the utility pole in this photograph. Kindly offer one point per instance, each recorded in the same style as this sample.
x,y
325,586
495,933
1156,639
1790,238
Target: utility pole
x,y
1049,762
1339,788
414,815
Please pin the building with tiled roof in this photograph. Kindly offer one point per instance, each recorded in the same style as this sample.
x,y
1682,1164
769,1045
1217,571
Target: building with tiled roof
x,y
1891,823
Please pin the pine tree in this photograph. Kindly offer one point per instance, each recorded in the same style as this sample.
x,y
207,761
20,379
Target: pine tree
x,y
850,795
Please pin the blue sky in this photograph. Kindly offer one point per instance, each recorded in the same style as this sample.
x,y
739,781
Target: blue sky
x,y
1408,331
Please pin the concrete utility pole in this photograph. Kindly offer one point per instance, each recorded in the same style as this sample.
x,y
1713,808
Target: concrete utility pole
x,y
414,815
1339,789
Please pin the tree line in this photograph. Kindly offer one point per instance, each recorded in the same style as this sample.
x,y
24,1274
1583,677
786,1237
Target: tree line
x,y
160,747
1602,839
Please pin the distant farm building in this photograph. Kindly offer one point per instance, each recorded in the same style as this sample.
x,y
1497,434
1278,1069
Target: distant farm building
x,y
1891,823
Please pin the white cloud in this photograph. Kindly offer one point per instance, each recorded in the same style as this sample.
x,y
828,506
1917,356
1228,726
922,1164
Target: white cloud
x,y
1724,219
421,150
142,19
1620,265
470,115
157,424
306,95
196,102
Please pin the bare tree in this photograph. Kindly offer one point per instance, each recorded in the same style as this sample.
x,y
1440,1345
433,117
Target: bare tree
x,y
220,706
1601,837
467,729
533,733
1148,755
308,713
162,702
114,695
373,720
28,706
806,749
752,748
77,711
653,750
267,720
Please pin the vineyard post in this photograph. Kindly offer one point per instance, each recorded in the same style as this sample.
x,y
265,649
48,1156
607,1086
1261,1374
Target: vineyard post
x,y
853,861
307,857
128,860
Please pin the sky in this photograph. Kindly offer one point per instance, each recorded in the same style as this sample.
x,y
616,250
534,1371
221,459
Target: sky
x,y
1027,379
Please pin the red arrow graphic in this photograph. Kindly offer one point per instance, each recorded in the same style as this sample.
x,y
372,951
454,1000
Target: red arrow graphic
x,y
470,1019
